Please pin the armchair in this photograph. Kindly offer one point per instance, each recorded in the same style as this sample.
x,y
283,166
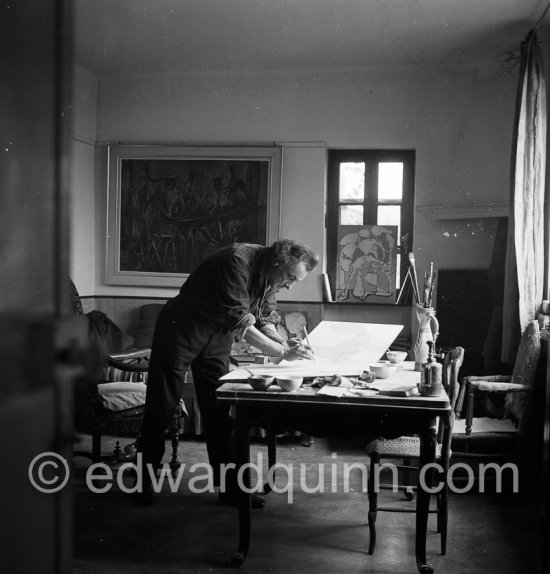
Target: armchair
x,y
113,404
112,401
499,437
111,407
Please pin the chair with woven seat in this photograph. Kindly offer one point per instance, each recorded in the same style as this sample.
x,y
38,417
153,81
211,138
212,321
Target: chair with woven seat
x,y
407,449
500,436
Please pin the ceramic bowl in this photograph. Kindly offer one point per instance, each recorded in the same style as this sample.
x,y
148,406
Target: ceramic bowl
x,y
396,356
260,382
290,384
383,370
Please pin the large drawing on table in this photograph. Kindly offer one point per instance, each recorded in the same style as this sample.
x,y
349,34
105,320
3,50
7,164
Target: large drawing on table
x,y
340,348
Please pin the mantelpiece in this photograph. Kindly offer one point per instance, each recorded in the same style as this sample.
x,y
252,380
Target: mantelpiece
x,y
465,211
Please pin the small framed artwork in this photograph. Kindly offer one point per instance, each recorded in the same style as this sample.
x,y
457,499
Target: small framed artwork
x,y
366,266
169,207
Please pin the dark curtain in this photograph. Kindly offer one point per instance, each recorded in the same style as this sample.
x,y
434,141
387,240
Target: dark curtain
x,y
493,342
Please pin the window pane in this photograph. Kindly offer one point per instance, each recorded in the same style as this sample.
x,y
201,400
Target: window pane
x,y
390,215
352,182
390,180
351,215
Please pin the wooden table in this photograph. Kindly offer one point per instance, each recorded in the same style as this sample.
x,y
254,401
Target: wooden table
x,y
267,407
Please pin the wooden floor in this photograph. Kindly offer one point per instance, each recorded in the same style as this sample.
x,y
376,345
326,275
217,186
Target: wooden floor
x,y
323,532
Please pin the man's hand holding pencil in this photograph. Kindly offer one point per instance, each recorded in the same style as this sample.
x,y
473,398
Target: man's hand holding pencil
x,y
302,347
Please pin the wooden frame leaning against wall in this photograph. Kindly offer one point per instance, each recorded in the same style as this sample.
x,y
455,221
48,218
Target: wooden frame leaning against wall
x,y
170,206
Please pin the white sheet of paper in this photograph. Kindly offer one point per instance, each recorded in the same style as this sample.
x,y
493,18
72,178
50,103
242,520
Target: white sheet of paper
x,y
332,391
401,379
340,348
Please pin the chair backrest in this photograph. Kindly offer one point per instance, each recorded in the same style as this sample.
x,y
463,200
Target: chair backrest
x,y
451,368
525,369
528,354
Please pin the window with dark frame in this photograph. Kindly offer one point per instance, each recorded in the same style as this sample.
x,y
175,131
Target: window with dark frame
x,y
371,187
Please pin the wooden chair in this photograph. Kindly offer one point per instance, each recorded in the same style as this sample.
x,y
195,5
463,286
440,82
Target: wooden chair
x,y
491,437
407,449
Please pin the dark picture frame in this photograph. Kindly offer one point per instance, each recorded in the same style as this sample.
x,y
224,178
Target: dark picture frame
x,y
171,206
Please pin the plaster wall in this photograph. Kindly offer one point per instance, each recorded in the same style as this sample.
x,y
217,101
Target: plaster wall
x,y
458,121
83,178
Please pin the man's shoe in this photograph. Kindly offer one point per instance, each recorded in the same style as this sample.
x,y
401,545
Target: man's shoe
x,y
230,499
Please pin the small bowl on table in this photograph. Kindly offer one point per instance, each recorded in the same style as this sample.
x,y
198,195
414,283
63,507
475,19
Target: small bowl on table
x,y
260,382
383,369
396,357
290,384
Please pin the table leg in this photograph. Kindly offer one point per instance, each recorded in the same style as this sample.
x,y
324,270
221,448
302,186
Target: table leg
x,y
271,455
243,457
373,499
427,455
442,517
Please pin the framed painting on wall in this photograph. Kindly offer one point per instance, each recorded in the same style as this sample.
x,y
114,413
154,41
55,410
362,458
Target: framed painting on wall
x,y
171,206
366,266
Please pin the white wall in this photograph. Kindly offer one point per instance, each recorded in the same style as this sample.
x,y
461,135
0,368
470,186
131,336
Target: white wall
x,y
302,204
83,213
459,122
